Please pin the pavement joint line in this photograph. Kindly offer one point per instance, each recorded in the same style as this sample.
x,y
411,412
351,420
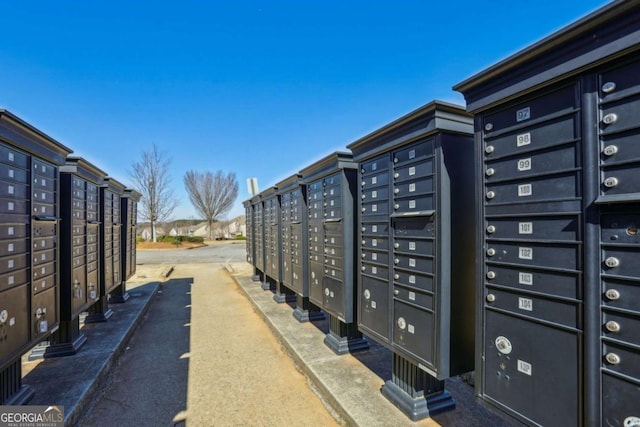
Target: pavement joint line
x,y
319,387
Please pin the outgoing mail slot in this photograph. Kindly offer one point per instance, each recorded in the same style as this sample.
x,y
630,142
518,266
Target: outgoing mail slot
x,y
621,180
621,359
15,329
374,305
555,187
413,280
559,100
413,331
621,294
413,296
557,159
413,171
560,312
414,152
561,227
619,401
414,246
413,263
523,373
621,327
547,282
14,278
413,227
626,262
535,254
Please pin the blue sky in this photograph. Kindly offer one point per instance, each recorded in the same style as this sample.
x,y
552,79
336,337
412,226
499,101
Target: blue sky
x,y
260,88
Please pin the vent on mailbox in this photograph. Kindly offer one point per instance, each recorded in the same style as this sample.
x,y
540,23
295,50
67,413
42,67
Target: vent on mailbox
x,y
79,254
331,188
557,131
29,230
110,267
293,220
416,251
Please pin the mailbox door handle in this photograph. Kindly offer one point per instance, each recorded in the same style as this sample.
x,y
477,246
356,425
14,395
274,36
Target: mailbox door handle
x,y
49,218
413,214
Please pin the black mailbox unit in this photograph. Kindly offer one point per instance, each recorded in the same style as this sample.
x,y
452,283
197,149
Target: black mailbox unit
x,y
273,245
258,241
29,250
79,256
128,220
110,232
416,284
250,244
293,214
331,188
557,131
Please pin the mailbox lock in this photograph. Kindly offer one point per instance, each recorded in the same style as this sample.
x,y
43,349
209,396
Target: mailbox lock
x,y
395,160
490,171
396,245
612,262
503,345
611,182
4,315
396,190
364,255
326,291
363,268
612,294
491,297
610,118
491,194
489,149
364,196
364,229
364,209
402,323
396,175
608,87
396,276
367,294
396,261
491,252
610,150
362,170
612,358
396,206
396,292
491,229
612,326
491,275
362,183
364,242
488,127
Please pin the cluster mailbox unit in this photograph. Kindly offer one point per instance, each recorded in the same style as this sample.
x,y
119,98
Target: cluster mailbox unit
x,y
416,251
557,129
29,247
293,214
129,219
331,188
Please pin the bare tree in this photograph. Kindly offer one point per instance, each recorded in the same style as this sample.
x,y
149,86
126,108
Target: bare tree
x,y
211,194
151,179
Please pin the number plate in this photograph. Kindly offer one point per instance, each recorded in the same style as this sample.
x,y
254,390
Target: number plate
x,y
524,367
525,278
523,114
525,253
525,228
525,190
524,164
525,304
523,139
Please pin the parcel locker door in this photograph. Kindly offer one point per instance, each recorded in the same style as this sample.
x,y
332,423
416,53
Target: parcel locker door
x,y
531,368
14,321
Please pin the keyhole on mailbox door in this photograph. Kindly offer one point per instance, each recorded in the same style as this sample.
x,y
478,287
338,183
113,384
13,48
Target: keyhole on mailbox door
x,y
632,230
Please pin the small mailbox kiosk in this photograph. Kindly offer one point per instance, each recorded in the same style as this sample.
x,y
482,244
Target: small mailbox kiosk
x,y
128,220
416,246
331,188
29,247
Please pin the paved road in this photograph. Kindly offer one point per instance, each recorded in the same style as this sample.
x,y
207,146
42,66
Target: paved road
x,y
203,357
225,251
